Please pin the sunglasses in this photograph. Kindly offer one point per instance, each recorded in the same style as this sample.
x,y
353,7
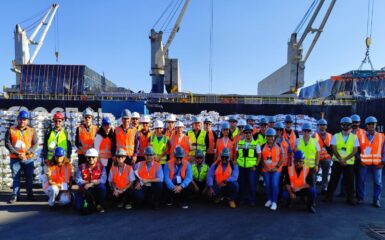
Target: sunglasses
x,y
59,121
370,124
288,122
89,158
134,119
248,132
278,129
199,158
225,157
179,158
263,125
321,125
121,156
345,125
87,117
306,130
144,123
149,155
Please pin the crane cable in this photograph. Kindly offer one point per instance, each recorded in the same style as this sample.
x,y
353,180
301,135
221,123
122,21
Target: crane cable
x,y
306,17
56,36
368,39
211,51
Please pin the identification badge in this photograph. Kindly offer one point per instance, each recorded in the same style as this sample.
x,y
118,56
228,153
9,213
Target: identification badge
x,y
178,180
104,161
64,186
343,151
19,144
368,150
147,184
52,145
269,160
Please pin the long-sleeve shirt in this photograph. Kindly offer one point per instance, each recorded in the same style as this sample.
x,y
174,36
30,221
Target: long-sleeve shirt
x,y
170,183
80,181
44,152
12,149
211,174
136,142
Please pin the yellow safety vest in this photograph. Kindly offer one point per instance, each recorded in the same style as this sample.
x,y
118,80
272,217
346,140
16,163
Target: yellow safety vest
x,y
310,151
247,160
345,148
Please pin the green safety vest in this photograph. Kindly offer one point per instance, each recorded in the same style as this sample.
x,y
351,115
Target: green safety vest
x,y
235,133
310,151
200,141
200,176
60,140
345,148
261,139
159,147
246,156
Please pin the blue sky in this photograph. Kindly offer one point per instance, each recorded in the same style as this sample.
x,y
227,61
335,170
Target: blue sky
x,y
250,40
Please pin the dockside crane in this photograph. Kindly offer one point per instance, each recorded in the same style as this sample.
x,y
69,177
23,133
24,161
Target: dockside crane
x,y
290,77
165,70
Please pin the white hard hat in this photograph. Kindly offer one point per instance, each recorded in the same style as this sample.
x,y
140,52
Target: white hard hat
x,y
92,152
171,118
158,124
241,122
135,115
145,119
179,124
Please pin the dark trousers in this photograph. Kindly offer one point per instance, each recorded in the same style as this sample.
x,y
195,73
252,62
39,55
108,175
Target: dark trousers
x,y
93,196
125,197
230,190
247,185
128,160
81,159
309,193
348,172
209,159
179,198
149,194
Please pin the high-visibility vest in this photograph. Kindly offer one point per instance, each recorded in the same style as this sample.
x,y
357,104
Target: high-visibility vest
x,y
360,132
60,174
220,175
211,146
234,133
345,148
246,156
197,143
323,155
26,137
183,142
295,180
159,147
121,180
255,130
150,173
271,157
310,151
171,168
143,142
105,148
371,152
126,140
60,140
86,138
168,133
239,138
285,147
261,139
291,138
222,143
201,175
91,174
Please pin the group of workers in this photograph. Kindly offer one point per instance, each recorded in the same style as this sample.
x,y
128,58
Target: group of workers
x,y
136,165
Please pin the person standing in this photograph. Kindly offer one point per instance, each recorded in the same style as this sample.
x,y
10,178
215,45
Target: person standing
x,y
211,141
179,138
103,143
159,142
85,135
288,133
197,137
169,130
144,136
260,136
224,141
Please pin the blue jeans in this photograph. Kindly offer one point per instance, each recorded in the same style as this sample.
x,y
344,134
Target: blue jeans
x,y
310,193
230,190
272,185
377,182
27,167
325,166
247,184
150,194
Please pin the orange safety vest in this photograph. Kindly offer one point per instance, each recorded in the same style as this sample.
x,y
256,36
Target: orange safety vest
x,y
144,174
291,139
86,138
105,148
176,141
360,132
143,142
121,181
61,174
126,141
221,144
271,157
211,146
220,175
171,168
371,152
285,146
295,180
168,133
26,137
255,130
324,155
94,174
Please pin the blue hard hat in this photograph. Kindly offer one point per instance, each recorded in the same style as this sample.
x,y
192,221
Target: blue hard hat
x,y
278,125
59,152
208,120
247,128
370,119
106,121
233,119
179,152
299,155
149,151
288,118
126,113
250,117
346,120
272,119
322,122
263,121
196,119
270,132
225,152
225,125
306,126
356,118
23,115
199,153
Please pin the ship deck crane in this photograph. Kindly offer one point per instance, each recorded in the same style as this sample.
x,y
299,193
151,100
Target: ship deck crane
x,y
290,77
164,70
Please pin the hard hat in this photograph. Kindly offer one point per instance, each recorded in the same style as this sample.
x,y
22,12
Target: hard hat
x,y
370,119
346,120
208,120
23,115
58,115
225,152
59,152
299,155
241,123
126,114
121,152
199,153
322,122
179,124
158,124
225,125
171,118
263,121
145,119
149,151
250,117
306,126
232,119
88,112
179,152
247,128
288,118
196,119
92,152
106,121
278,125
272,119
270,132
355,118
135,115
